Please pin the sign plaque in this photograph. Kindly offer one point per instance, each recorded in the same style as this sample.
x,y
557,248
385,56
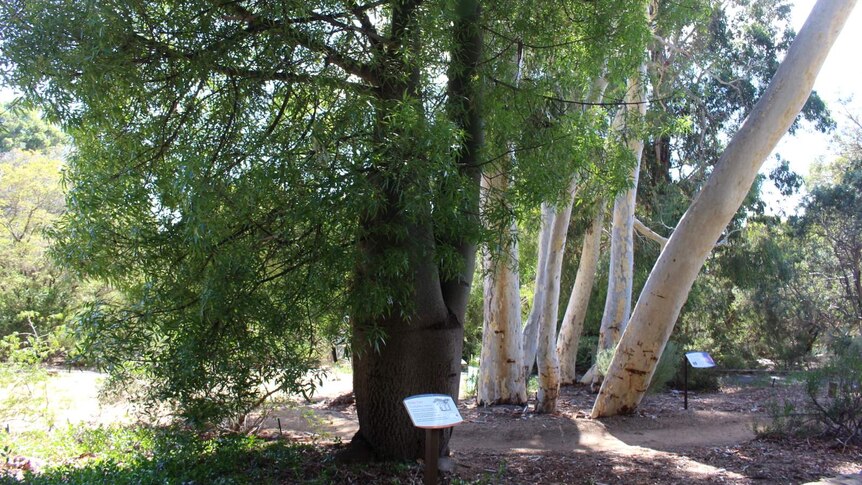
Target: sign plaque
x,y
432,411
699,360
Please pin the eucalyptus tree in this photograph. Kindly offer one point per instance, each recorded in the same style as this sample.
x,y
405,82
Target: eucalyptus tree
x,y
551,120
670,280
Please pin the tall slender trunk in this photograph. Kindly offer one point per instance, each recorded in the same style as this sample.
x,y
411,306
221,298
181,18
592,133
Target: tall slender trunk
x,y
671,278
621,271
576,310
534,320
548,365
501,377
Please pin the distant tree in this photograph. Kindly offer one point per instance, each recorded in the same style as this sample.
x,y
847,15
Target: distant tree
x,y
24,129
35,294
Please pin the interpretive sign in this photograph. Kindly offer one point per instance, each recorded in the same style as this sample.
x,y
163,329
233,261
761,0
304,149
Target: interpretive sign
x,y
432,411
699,360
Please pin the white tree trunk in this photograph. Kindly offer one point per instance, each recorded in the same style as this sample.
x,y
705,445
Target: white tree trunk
x,y
618,301
669,282
531,329
576,310
501,368
549,366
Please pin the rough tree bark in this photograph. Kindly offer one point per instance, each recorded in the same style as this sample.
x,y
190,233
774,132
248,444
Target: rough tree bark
x,y
422,348
576,310
670,280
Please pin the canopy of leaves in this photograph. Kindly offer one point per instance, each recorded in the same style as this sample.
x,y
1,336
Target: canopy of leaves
x,y
233,157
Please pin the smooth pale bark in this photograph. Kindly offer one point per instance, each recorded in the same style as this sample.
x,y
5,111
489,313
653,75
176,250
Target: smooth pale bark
x,y
669,282
547,363
501,365
576,310
534,320
618,301
645,231
501,378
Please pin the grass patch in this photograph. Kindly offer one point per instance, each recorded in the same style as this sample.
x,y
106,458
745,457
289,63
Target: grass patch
x,y
140,455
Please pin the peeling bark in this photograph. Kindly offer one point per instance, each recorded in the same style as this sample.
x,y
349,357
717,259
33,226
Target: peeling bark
x,y
501,368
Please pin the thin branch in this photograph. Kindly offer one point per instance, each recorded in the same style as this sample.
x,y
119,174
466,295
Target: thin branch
x,y
650,234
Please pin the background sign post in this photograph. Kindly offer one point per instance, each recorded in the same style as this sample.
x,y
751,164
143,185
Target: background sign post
x,y
698,360
434,413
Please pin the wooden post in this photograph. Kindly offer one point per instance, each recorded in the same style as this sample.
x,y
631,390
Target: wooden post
x,y
433,412
432,455
685,380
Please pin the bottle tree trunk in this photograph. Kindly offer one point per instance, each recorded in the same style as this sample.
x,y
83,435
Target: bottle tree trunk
x,y
420,351
546,360
621,269
576,310
677,267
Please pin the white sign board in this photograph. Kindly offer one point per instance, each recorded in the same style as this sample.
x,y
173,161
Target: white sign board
x,y
699,360
432,411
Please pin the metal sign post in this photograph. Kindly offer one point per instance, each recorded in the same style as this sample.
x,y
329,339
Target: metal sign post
x,y
698,360
433,413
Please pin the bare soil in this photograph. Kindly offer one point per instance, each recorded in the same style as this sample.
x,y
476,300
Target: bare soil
x,y
713,441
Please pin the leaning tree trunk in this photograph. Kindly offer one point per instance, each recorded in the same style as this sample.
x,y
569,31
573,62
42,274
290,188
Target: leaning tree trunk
x,y
677,267
534,320
421,352
548,365
576,310
621,269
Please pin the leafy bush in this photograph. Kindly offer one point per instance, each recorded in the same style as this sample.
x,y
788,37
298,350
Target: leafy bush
x,y
786,419
835,392
667,367
586,352
119,455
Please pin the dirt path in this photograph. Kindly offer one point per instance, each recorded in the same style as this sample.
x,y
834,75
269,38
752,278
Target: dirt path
x,y
661,425
711,442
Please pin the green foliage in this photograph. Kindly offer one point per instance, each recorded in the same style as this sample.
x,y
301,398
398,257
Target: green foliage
x,y
153,455
785,419
34,290
835,391
22,129
667,368
587,346
246,182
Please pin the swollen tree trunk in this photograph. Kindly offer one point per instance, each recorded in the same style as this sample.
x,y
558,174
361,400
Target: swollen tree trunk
x,y
548,365
677,267
534,320
421,348
621,271
576,310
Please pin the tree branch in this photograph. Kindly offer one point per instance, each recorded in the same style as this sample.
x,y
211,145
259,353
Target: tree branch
x,y
648,233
